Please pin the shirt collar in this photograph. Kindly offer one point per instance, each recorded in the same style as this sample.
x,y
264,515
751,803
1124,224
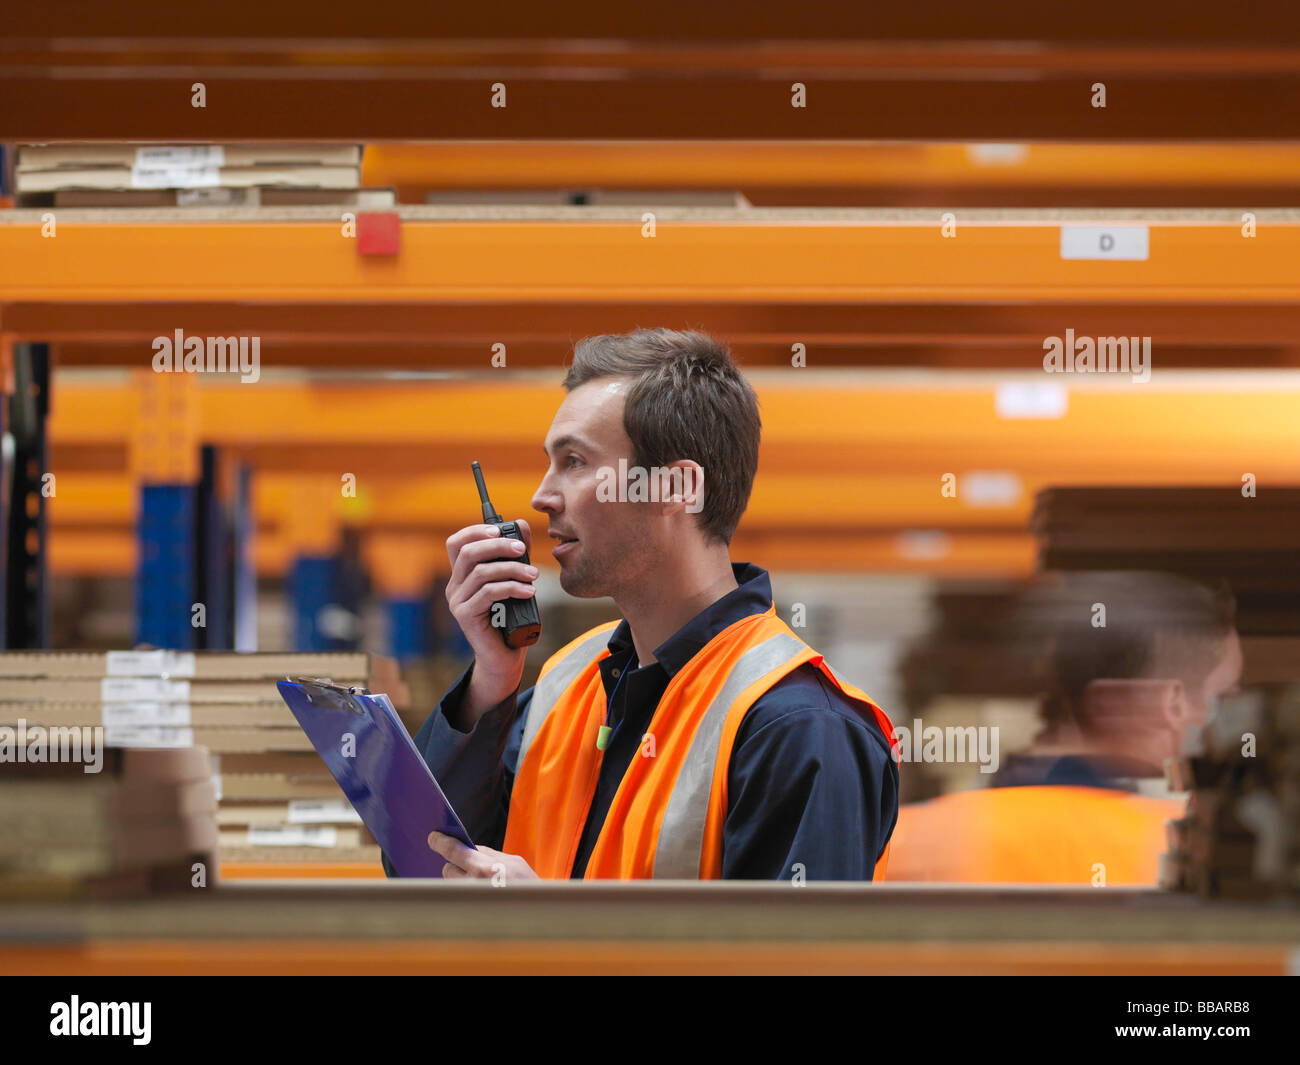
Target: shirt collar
x,y
752,596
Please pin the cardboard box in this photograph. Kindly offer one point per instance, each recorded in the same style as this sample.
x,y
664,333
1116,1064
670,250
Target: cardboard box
x,y
344,667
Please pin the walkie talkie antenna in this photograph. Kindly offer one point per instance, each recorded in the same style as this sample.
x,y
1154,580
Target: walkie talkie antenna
x,y
490,514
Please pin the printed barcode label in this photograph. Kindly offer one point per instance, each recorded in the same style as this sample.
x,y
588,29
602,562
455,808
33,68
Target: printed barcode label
x,y
143,177
143,689
173,715
150,664
180,156
135,663
178,663
314,811
147,736
292,836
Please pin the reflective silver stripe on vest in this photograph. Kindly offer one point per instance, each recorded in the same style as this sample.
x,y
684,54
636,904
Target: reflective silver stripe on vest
x,y
547,691
681,836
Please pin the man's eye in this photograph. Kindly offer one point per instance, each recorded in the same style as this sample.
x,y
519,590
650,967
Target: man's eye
x,y
572,459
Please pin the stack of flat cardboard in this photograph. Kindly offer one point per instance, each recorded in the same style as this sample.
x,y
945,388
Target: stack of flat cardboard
x,y
1240,838
1250,540
77,820
152,175
278,802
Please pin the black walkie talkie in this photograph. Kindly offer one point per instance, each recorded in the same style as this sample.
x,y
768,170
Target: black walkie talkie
x,y
520,623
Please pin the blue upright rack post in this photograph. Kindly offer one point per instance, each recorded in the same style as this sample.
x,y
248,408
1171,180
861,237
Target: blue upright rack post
x,y
165,586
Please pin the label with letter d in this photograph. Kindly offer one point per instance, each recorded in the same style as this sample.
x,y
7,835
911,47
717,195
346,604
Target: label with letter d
x,y
1104,242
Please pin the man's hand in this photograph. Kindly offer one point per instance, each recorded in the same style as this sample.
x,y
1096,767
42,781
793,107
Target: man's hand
x,y
484,863
485,569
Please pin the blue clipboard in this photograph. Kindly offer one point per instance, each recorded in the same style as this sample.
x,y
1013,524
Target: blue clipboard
x,y
380,770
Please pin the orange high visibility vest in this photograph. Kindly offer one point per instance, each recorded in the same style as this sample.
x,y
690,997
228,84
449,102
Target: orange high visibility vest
x,y
666,818
1033,835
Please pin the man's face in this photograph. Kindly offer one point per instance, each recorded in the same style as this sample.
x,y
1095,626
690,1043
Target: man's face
x,y
1222,680
611,542
1196,702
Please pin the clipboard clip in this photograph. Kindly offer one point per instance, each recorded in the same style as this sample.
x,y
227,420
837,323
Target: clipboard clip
x,y
321,691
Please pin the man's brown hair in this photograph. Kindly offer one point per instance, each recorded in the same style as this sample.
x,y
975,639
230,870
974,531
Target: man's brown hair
x,y
687,400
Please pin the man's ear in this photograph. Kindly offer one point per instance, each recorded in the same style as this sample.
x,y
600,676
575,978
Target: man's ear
x,y
683,482
1129,707
1174,710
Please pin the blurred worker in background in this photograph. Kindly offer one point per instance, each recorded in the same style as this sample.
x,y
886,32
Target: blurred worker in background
x,y
698,736
1137,659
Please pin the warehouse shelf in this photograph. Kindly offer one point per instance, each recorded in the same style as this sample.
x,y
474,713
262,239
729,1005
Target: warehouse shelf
x,y
444,927
459,337
600,254
878,450
233,871
333,332
593,71
836,425
770,172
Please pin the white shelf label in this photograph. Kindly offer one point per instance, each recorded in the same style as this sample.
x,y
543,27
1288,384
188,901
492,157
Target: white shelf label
x,y
1105,242
316,811
178,663
181,156
143,689
150,664
1024,399
172,715
292,836
923,544
997,154
989,488
172,177
147,736
135,663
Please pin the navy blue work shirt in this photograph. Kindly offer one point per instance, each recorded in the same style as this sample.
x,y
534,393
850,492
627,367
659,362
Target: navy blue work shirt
x,y
811,782
1073,771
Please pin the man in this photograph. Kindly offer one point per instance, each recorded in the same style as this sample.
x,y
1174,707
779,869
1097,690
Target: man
x,y
698,736
1137,659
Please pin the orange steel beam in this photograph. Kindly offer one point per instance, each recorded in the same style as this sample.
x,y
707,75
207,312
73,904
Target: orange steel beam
x,y
447,501
976,354
112,553
413,506
544,332
809,422
551,957
774,254
300,871
652,164
880,452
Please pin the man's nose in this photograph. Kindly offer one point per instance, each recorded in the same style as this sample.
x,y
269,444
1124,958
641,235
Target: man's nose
x,y
546,499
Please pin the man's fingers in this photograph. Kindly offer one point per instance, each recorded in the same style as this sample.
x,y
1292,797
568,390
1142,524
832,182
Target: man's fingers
x,y
464,858
527,534
454,872
467,535
477,552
